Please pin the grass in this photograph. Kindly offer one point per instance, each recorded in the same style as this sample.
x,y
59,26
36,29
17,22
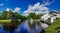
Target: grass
x,y
48,20
6,21
54,28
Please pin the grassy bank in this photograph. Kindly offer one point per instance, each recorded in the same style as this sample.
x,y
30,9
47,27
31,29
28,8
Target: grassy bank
x,y
54,28
6,21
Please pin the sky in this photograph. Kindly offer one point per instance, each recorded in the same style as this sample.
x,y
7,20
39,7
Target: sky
x,y
24,6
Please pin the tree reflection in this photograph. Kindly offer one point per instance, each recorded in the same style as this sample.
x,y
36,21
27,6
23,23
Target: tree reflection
x,y
33,26
11,26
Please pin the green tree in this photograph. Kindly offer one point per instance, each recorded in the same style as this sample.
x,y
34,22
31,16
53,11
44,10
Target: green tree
x,y
0,17
31,15
22,18
6,14
17,14
39,16
9,14
11,26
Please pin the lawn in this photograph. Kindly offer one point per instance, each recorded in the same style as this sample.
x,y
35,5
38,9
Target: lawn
x,y
54,28
6,21
48,20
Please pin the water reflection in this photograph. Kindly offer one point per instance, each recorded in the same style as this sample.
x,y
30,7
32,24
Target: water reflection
x,y
1,29
31,20
25,27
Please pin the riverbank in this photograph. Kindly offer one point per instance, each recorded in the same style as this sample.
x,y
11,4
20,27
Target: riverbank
x,y
54,28
6,21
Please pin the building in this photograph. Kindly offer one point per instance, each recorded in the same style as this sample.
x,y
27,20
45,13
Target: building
x,y
52,15
55,13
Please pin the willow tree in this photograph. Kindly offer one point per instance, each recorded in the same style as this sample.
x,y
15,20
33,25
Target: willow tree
x,y
39,16
11,26
31,15
6,14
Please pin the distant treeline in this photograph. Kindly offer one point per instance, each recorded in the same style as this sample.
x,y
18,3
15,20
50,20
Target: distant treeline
x,y
8,15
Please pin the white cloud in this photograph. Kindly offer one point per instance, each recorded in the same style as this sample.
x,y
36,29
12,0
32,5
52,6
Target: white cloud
x,y
1,4
37,9
17,9
8,9
26,13
48,2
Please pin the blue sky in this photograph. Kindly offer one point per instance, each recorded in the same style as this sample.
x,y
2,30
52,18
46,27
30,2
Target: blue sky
x,y
23,4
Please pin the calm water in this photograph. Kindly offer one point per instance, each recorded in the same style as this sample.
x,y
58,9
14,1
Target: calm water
x,y
23,28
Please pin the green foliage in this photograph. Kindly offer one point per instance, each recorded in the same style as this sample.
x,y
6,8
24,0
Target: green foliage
x,y
9,16
0,17
32,15
54,28
20,16
39,16
6,14
23,18
14,22
9,13
17,15
48,20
